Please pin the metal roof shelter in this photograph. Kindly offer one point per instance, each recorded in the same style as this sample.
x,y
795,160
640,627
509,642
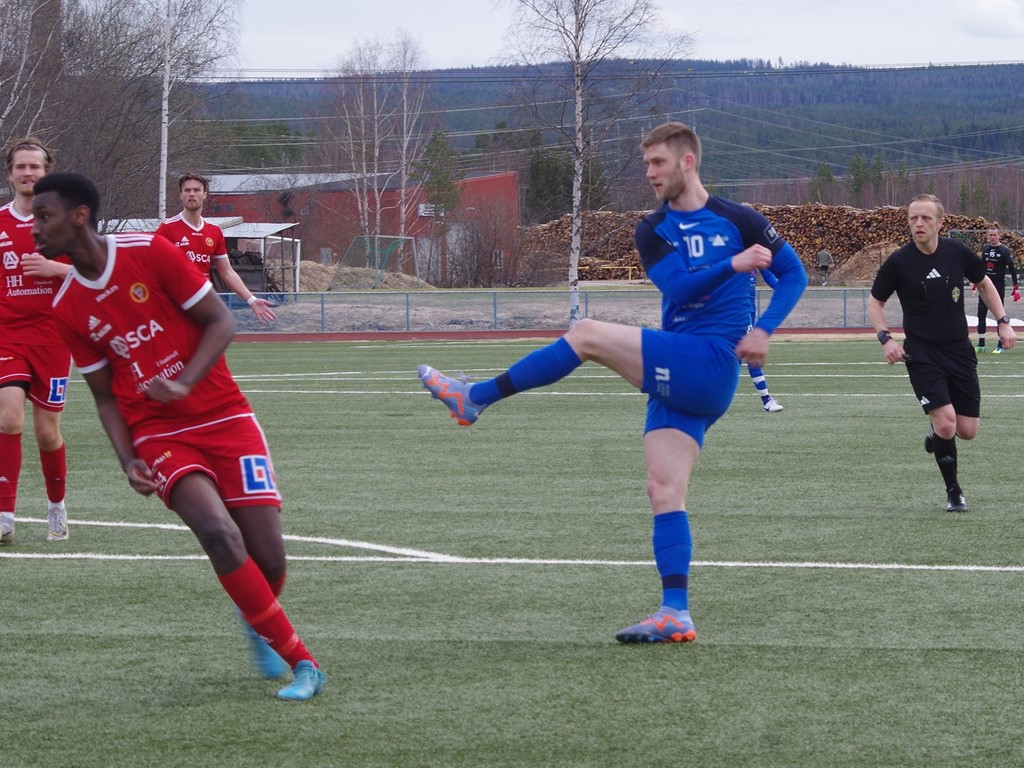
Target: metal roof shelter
x,y
264,256
251,183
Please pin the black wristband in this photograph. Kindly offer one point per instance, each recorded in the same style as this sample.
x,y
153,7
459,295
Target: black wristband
x,y
884,337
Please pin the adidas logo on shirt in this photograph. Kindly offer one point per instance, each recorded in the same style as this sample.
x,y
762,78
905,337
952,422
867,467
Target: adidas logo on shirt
x,y
933,274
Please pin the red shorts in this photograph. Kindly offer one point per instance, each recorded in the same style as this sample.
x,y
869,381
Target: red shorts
x,y
232,451
44,369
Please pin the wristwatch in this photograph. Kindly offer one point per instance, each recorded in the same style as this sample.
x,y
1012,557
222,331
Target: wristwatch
x,y
1003,319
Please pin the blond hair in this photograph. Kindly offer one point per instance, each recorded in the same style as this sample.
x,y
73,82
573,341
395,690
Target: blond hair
x,y
679,137
926,198
29,142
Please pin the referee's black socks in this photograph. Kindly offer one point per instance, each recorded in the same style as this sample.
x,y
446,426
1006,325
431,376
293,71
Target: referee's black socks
x,y
945,457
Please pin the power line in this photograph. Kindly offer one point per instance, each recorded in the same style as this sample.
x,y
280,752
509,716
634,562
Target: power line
x,y
515,73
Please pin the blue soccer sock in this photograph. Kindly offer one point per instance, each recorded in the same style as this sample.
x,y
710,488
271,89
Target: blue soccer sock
x,y
760,384
673,547
538,369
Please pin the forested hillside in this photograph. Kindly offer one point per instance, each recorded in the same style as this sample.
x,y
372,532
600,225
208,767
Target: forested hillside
x,y
777,134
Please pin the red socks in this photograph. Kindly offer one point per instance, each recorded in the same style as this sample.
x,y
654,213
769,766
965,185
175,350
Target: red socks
x,y
248,587
10,468
55,472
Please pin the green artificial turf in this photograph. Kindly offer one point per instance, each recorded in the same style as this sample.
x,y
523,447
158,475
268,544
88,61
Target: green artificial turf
x,y
461,586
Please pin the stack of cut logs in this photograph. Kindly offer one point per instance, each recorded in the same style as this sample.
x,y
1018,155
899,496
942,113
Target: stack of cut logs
x,y
852,236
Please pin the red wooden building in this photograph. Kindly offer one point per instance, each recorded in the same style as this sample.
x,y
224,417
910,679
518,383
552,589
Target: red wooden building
x,y
473,245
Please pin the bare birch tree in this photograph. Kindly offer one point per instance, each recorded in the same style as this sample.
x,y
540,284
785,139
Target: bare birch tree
x,y
597,61
197,36
375,136
30,63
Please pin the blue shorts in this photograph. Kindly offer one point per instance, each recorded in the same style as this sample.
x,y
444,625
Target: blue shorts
x,y
690,381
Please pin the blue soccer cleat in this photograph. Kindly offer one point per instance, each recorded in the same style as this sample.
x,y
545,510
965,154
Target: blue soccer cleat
x,y
266,660
308,682
452,392
668,625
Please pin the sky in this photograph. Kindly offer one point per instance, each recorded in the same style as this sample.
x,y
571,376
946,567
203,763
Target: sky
x,y
462,33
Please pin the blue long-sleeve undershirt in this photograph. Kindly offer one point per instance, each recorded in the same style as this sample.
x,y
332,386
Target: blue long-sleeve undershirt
x,y
791,282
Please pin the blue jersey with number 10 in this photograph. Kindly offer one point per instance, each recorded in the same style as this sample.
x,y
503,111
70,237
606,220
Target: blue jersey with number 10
x,y
688,257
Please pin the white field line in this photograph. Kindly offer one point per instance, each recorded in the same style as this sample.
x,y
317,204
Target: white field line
x,y
406,555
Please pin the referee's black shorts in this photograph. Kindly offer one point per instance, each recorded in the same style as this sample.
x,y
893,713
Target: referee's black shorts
x,y
944,374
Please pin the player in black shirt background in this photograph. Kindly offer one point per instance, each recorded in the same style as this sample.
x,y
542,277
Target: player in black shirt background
x,y
998,260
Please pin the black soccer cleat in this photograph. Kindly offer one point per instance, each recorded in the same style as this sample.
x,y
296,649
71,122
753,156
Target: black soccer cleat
x,y
955,501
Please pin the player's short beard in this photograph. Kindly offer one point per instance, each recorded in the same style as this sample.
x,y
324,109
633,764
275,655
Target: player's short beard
x,y
672,189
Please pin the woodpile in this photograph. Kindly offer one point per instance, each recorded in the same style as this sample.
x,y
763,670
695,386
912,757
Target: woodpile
x,y
858,239
607,250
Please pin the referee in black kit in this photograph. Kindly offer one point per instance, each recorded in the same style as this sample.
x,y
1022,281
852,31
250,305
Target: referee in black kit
x,y
927,274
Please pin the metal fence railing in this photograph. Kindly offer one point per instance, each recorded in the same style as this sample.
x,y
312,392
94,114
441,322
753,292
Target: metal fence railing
x,y
511,310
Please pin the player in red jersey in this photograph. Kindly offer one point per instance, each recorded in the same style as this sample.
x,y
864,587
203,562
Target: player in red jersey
x,y
203,242
148,333
34,363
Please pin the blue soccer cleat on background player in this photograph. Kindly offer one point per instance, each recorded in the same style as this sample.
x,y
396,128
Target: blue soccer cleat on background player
x,y
266,660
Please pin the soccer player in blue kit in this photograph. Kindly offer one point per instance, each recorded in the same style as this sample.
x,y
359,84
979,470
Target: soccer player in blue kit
x,y
768,403
699,251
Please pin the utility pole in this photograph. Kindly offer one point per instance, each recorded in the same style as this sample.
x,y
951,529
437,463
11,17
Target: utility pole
x,y
165,98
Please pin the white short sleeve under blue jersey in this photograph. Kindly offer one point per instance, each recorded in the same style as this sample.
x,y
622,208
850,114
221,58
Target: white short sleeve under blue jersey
x,y
688,256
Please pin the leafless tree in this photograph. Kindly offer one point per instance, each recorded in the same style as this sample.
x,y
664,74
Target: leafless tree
x,y
478,247
94,70
593,59
197,35
405,55
378,102
30,37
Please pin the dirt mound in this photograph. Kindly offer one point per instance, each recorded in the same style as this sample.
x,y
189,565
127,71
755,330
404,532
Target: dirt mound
x,y
314,277
360,278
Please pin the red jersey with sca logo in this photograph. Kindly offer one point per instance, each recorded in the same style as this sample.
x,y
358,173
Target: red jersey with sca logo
x,y
26,302
201,245
131,319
